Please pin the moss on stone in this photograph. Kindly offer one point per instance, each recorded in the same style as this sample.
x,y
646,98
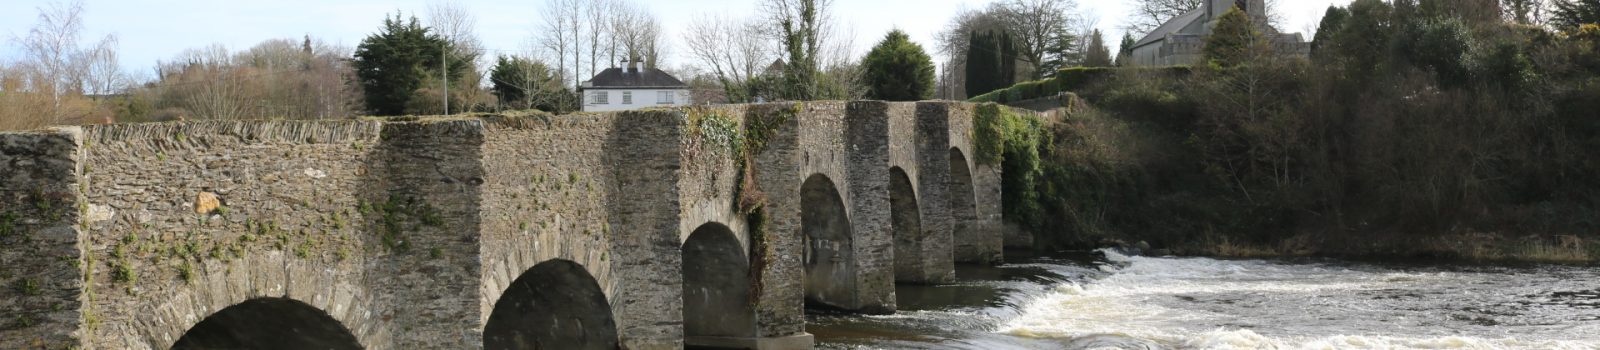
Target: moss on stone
x,y
26,286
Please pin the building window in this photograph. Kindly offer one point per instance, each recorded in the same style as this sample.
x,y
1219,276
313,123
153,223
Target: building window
x,y
599,98
664,97
627,97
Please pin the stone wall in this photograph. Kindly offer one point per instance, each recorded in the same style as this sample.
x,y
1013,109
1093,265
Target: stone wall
x,y
407,232
866,149
41,284
186,219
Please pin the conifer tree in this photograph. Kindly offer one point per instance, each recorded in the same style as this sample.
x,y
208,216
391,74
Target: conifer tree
x,y
899,70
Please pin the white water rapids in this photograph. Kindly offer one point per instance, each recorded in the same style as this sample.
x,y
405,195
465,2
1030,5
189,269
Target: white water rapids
x,y
1198,303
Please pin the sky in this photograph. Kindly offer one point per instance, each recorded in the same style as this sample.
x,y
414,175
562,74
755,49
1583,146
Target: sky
x,y
152,30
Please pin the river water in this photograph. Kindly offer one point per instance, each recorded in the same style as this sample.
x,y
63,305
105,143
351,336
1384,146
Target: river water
x,y
1107,300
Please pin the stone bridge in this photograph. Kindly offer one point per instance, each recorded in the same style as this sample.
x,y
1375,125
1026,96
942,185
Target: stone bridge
x,y
656,229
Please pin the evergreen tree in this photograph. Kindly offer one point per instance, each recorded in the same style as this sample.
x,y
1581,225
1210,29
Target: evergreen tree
x,y
1064,51
899,70
1125,51
523,83
981,60
393,64
1332,23
1097,54
991,63
1233,41
1007,75
1568,15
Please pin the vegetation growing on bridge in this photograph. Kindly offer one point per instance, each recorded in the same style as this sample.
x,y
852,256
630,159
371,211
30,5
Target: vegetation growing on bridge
x,y
743,145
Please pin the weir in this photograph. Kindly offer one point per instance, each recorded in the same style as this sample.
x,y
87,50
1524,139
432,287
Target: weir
x,y
656,229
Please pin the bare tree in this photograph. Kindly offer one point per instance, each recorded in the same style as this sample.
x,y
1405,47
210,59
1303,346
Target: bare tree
x,y
637,33
598,13
1036,25
1149,14
52,51
561,35
457,25
722,45
102,72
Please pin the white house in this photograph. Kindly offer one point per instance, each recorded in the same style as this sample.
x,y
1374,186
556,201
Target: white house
x,y
633,86
1182,40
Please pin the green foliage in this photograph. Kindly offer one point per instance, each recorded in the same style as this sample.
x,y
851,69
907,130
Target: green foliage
x,y
393,64
1328,30
899,70
1233,41
121,272
1064,50
1097,55
186,272
1011,140
990,63
1415,122
1125,50
1569,15
524,83
8,224
1439,45
800,30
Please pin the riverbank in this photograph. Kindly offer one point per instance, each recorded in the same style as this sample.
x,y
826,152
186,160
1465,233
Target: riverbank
x,y
1472,248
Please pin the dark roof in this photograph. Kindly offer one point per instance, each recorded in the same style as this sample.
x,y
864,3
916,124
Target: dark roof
x,y
616,78
1171,27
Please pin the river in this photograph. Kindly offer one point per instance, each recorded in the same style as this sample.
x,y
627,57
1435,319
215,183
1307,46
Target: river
x,y
1106,300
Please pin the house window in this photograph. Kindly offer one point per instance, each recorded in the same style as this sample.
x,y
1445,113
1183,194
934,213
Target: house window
x,y
599,98
627,97
664,97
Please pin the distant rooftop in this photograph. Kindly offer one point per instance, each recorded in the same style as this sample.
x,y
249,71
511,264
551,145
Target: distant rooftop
x,y
634,78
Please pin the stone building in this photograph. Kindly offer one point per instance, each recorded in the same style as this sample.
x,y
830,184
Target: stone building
x,y
1182,40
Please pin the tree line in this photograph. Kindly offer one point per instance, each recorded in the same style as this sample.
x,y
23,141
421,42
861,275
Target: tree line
x,y
1416,127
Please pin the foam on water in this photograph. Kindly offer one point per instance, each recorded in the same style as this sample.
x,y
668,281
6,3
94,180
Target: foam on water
x,y
1194,303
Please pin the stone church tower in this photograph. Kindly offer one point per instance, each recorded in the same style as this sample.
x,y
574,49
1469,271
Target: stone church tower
x,y
1216,8
1181,40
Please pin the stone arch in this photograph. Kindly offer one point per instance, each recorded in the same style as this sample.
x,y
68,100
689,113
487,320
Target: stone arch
x,y
829,245
906,226
963,206
556,304
716,287
268,323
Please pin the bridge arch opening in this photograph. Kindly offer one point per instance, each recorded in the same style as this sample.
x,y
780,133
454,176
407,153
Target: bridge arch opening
x,y
906,224
554,305
268,323
716,287
829,246
963,206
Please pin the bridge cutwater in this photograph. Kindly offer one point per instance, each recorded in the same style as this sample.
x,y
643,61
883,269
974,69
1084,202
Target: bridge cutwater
x,y
656,229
